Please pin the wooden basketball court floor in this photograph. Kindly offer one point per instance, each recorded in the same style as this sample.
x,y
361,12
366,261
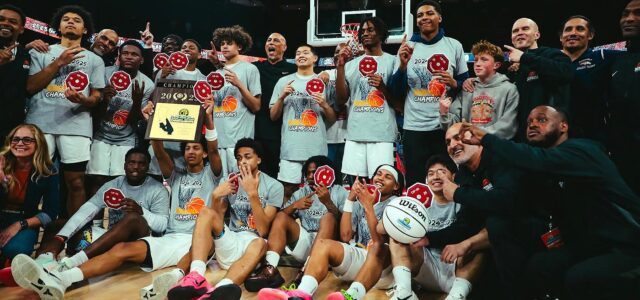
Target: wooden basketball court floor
x,y
125,283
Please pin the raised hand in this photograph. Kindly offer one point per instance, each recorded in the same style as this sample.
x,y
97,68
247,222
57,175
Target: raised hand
x,y
405,52
146,36
6,54
514,54
138,92
471,134
38,45
445,104
376,81
69,55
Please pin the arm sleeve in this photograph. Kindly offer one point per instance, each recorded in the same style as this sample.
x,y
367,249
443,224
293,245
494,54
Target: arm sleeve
x,y
85,213
501,199
50,201
253,80
157,215
567,159
556,67
277,89
276,195
506,126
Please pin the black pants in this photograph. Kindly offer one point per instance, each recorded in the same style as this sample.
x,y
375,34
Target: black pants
x,y
271,161
418,147
528,270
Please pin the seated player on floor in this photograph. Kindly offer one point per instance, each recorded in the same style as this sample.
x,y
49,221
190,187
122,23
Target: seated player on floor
x,y
318,209
357,228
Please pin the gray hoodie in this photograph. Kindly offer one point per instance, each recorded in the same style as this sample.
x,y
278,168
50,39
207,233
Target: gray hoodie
x,y
493,106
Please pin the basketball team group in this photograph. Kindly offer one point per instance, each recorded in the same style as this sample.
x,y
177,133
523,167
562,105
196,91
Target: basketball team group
x,y
398,172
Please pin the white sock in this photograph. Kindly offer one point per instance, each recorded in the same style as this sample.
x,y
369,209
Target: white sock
x,y
357,290
178,272
224,281
198,266
308,284
78,259
71,276
460,289
402,276
272,258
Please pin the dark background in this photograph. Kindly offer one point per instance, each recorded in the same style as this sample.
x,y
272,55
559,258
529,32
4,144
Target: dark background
x,y
466,20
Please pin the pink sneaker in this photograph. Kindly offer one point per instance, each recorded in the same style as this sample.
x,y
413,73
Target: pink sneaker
x,y
278,294
6,277
191,286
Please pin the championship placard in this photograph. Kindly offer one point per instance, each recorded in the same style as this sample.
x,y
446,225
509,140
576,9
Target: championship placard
x,y
178,115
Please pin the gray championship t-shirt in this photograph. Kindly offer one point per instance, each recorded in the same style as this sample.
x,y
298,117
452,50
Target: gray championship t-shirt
x,y
359,220
371,119
233,119
190,192
271,193
310,217
49,109
441,215
114,128
421,112
303,131
337,132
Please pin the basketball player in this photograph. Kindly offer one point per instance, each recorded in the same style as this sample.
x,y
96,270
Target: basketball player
x,y
371,127
358,222
317,208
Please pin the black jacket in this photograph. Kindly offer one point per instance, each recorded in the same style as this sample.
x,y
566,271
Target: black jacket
x,y
543,78
598,211
13,91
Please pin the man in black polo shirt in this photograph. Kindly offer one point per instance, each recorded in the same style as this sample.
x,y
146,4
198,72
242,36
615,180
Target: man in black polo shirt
x,y
14,69
267,131
588,248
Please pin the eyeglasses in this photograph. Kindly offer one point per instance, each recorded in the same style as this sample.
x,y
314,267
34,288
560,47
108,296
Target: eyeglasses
x,y
25,140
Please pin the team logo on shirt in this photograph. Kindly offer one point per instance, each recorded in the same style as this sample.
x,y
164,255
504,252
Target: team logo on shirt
x,y
374,99
305,119
420,83
190,210
242,208
482,108
226,103
120,117
533,75
586,63
637,69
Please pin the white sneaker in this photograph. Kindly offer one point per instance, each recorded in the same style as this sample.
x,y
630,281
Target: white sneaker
x,y
455,297
48,262
65,264
161,285
412,297
30,275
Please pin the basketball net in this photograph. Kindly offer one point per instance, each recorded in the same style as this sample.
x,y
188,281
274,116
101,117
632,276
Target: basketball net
x,y
350,31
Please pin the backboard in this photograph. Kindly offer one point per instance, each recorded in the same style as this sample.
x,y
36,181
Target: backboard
x,y
326,17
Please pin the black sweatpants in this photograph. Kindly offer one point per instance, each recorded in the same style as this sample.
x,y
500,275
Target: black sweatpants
x,y
418,146
528,270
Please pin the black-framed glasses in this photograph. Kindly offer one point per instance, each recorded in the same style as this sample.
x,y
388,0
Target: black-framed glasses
x,y
25,140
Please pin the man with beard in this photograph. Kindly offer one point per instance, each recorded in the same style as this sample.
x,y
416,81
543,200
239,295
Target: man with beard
x,y
14,68
105,45
412,82
371,124
587,247
591,77
60,111
119,114
624,101
267,130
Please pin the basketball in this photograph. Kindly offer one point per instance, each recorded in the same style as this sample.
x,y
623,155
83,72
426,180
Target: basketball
x,y
375,98
405,220
309,118
229,103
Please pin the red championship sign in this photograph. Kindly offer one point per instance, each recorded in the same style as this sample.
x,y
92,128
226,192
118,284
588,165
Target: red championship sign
x,y
377,195
324,175
77,81
216,80
421,192
436,87
113,198
368,66
160,60
437,62
120,80
315,86
178,60
201,90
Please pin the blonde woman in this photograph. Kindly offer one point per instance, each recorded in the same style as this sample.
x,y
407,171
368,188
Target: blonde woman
x,y
27,178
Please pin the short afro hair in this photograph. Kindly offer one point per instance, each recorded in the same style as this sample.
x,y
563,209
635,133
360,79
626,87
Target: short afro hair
x,y
134,43
321,160
17,10
235,34
248,143
138,150
179,40
85,15
381,28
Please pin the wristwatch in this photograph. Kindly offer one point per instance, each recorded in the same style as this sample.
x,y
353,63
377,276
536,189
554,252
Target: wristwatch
x,y
24,224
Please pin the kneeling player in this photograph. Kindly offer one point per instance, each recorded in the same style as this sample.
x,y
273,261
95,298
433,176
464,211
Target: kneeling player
x,y
190,187
436,267
317,209
253,203
144,210
358,223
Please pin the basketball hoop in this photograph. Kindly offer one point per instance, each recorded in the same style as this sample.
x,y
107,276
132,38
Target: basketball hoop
x,y
350,31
